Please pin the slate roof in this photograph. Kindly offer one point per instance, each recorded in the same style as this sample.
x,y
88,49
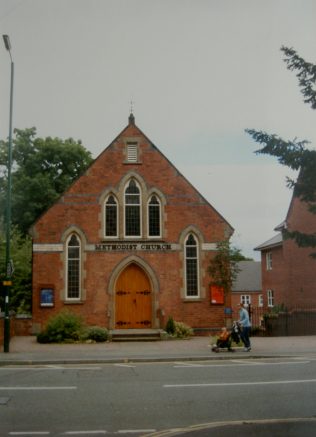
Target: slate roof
x,y
274,241
249,277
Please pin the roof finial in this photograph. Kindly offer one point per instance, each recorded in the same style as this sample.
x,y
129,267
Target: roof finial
x,y
131,118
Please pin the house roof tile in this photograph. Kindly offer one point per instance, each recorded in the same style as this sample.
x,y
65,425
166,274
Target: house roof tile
x,y
249,276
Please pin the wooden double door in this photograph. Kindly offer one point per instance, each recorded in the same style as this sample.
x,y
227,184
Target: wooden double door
x,y
133,299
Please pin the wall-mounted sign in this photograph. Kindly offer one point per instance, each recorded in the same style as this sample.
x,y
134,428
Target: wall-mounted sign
x,y
46,297
217,295
228,311
118,247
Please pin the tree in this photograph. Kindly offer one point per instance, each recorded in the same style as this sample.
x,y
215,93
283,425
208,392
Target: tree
x,y
223,268
42,170
21,290
295,154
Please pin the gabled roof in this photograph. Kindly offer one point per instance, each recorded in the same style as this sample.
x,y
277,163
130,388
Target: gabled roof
x,y
131,122
281,226
275,241
249,276
125,132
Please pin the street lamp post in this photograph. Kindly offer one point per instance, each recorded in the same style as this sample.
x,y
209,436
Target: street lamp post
x,y
7,282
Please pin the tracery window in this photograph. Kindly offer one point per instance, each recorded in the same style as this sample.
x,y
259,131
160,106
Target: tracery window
x,y
154,229
73,267
132,210
111,217
191,267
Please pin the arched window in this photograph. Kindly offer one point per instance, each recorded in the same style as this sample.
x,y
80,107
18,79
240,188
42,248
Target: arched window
x,y
191,267
132,210
73,267
111,217
154,229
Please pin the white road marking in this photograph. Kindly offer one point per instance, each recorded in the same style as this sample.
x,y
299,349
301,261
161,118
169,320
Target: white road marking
x,y
49,367
29,433
39,388
240,363
234,423
134,431
232,384
91,432
98,431
124,365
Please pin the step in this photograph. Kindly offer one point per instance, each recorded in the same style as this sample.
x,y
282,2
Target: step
x,y
135,334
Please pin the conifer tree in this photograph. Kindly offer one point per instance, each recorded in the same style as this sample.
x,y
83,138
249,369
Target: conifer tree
x,y
295,154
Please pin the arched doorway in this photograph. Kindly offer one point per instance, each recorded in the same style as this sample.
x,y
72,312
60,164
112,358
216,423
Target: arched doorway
x,y
133,299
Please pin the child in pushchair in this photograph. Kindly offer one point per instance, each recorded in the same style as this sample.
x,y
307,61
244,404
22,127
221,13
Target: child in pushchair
x,y
226,337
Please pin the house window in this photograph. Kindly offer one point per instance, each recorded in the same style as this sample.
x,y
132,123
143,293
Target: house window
x,y
260,300
132,152
245,299
132,210
73,267
270,298
111,217
191,267
269,260
154,217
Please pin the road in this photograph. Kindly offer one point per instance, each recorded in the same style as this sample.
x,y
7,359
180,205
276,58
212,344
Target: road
x,y
142,399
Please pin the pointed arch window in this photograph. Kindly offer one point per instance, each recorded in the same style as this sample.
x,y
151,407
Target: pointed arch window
x,y
132,210
191,266
154,229
73,267
111,217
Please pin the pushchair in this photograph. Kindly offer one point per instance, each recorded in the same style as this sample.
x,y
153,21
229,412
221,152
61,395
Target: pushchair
x,y
234,335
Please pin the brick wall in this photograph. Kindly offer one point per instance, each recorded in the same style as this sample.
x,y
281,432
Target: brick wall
x,y
293,274
275,279
81,208
19,325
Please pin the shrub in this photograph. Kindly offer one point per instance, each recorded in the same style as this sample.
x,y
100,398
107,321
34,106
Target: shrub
x,y
182,330
95,333
63,327
42,337
170,326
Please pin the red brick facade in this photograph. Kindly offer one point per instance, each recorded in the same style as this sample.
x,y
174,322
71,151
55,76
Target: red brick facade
x,y
81,211
291,275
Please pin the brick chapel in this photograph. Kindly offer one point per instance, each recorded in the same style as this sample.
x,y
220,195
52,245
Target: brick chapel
x,y
129,244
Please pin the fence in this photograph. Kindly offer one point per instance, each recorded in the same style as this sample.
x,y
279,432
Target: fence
x,y
276,322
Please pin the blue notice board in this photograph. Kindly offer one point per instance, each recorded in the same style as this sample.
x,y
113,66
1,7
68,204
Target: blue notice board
x,y
47,297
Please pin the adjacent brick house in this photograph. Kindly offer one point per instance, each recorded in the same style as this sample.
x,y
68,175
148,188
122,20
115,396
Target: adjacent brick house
x,y
247,287
288,271
129,243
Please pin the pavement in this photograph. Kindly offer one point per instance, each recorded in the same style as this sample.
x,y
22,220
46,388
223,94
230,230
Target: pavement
x,y
26,351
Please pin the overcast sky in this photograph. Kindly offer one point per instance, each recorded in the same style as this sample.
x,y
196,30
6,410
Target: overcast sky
x,y
199,73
